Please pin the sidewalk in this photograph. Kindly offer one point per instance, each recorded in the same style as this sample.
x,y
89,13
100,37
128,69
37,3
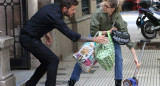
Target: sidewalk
x,y
148,75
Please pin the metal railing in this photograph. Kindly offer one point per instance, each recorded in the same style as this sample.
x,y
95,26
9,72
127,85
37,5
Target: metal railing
x,y
15,17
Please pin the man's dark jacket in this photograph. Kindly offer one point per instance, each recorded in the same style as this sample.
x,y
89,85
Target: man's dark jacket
x,y
46,19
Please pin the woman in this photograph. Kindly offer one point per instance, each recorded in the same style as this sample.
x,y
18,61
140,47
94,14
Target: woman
x,y
102,20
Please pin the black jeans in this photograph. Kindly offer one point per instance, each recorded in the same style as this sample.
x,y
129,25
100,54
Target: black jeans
x,y
49,61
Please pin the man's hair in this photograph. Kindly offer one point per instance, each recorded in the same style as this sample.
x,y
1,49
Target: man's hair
x,y
68,3
113,3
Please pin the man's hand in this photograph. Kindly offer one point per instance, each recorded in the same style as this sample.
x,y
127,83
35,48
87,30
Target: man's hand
x,y
101,39
48,39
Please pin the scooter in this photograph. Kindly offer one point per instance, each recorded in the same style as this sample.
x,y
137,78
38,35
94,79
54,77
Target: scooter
x,y
148,27
133,81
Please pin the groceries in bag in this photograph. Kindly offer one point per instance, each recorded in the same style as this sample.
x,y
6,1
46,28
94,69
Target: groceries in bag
x,y
85,56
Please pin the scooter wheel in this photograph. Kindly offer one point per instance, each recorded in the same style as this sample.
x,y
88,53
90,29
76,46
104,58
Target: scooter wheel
x,y
127,82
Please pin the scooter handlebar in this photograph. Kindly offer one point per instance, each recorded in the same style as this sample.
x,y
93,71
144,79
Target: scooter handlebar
x,y
148,40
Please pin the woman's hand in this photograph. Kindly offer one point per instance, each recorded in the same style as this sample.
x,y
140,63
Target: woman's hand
x,y
137,63
113,28
48,39
110,31
135,58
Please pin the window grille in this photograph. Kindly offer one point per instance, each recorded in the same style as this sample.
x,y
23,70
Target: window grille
x,y
85,7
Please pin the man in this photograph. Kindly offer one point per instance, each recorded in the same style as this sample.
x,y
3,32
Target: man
x,y
45,20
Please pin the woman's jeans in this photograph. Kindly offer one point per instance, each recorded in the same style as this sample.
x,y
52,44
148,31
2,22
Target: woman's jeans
x,y
118,65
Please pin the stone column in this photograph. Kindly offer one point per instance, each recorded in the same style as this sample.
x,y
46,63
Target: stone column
x,y
78,13
32,7
7,77
42,3
52,1
92,6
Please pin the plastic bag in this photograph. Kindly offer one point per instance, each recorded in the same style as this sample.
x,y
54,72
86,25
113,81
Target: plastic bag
x,y
105,54
85,56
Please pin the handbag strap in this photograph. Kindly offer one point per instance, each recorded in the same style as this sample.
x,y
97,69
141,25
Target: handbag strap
x,y
100,33
109,36
96,34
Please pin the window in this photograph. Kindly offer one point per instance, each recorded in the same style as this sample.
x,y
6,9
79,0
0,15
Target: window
x,y
99,1
85,7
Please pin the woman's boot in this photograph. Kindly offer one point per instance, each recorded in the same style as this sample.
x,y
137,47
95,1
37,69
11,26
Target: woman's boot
x,y
71,82
118,82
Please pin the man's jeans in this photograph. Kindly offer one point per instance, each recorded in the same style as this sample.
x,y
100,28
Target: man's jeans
x,y
118,65
49,61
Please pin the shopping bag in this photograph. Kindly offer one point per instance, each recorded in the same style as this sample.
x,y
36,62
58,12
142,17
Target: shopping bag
x,y
105,54
85,56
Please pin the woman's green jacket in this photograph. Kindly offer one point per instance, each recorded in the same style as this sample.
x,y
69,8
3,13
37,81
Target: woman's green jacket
x,y
101,21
